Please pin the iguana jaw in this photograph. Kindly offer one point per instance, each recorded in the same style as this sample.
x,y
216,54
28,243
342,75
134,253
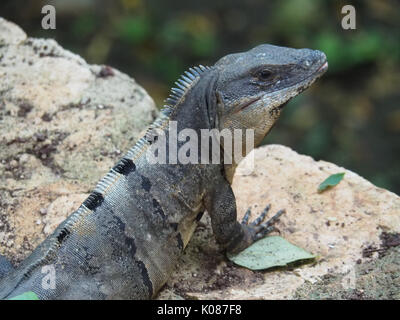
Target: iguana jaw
x,y
244,101
261,111
280,98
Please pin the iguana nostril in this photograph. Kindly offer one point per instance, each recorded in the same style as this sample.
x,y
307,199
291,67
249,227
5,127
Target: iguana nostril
x,y
321,56
307,63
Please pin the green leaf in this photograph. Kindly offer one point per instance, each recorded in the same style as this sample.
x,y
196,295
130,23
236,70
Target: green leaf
x,y
331,181
270,252
30,295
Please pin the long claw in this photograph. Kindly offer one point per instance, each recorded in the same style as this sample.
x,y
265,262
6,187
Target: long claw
x,y
246,217
262,216
261,230
264,232
275,217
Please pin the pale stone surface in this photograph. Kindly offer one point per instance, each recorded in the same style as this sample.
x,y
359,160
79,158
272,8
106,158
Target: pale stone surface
x,y
10,33
336,225
64,123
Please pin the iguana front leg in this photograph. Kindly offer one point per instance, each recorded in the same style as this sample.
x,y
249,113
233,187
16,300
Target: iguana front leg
x,y
230,234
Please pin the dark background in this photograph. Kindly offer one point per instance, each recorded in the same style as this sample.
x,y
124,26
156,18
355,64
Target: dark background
x,y
350,117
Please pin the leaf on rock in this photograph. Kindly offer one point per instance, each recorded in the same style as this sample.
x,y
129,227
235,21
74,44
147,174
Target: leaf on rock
x,y
331,181
269,252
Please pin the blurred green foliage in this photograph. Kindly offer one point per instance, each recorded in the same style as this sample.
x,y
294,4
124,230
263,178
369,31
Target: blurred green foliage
x,y
350,117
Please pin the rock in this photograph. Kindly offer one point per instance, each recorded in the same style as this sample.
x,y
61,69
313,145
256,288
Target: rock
x,y
56,141
10,33
340,226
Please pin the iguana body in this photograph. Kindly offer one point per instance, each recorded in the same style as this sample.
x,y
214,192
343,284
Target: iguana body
x,y
124,240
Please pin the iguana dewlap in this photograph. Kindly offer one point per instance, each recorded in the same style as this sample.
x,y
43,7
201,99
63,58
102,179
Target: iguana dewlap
x,y
126,237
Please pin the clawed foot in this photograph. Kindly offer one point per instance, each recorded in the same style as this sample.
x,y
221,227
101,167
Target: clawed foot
x,y
259,229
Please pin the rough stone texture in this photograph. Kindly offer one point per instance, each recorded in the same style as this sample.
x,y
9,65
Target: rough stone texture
x,y
63,124
353,228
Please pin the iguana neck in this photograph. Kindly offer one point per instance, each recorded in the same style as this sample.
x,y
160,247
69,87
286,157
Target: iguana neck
x,y
195,108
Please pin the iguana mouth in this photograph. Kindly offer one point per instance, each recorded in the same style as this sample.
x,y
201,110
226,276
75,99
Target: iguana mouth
x,y
305,83
323,67
248,103
317,73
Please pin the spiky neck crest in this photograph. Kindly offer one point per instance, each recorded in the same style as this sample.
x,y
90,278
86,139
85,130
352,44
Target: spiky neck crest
x,y
183,84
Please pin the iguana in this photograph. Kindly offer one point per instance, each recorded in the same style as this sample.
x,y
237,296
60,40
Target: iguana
x,y
125,239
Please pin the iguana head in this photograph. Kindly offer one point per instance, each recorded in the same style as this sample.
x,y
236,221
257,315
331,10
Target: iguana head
x,y
253,86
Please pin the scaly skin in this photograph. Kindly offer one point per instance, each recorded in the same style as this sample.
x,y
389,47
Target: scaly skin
x,y
124,240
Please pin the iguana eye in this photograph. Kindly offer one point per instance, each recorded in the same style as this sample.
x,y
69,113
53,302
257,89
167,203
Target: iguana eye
x,y
264,75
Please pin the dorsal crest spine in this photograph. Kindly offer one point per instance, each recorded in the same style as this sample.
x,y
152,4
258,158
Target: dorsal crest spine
x,y
182,85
